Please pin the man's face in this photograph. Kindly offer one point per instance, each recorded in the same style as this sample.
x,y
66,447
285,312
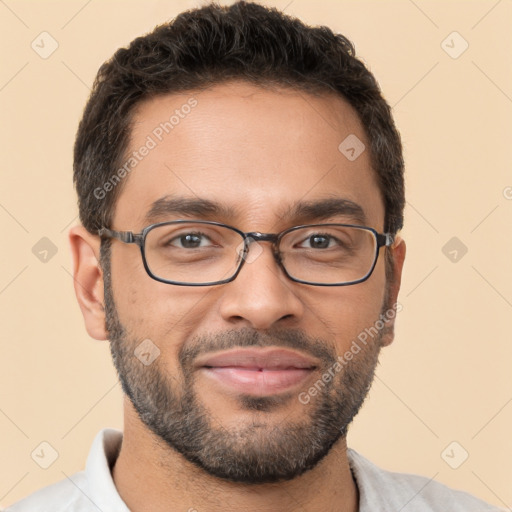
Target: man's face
x,y
258,155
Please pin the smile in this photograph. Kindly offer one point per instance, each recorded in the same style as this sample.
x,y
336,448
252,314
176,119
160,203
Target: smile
x,y
257,372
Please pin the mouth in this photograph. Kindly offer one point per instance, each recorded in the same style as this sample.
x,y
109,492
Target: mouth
x,y
257,372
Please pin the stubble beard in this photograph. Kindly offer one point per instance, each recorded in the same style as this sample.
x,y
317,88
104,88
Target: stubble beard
x,y
262,450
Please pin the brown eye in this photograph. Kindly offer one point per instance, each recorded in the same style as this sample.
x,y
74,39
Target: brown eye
x,y
190,241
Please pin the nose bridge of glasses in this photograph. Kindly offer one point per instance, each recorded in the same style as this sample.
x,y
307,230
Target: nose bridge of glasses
x,y
256,236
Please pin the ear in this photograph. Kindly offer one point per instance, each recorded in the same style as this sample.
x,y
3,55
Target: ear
x,y
88,280
392,305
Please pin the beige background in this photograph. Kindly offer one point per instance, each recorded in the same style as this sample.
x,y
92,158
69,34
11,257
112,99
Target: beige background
x,y
446,378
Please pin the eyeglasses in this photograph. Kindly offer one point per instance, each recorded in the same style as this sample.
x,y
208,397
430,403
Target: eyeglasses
x,y
206,253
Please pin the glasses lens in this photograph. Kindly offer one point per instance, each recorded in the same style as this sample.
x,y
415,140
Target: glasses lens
x,y
328,254
192,252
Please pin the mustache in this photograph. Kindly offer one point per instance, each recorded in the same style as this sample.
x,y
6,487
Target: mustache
x,y
246,337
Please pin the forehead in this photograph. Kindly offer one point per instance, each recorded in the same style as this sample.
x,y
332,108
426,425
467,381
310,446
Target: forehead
x,y
254,151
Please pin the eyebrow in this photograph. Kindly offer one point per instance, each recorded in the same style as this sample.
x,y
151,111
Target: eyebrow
x,y
325,209
188,207
300,212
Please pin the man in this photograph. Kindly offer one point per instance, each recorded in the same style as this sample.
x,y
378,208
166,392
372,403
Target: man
x,y
240,184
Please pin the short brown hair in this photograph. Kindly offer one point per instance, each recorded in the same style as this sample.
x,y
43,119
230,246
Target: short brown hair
x,y
211,45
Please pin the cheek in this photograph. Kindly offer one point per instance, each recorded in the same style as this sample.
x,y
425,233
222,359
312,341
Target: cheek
x,y
164,313
344,313
369,301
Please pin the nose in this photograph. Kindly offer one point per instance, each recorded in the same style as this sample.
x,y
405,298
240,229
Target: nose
x,y
261,296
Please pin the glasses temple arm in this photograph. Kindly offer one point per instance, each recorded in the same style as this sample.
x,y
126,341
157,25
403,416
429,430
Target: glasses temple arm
x,y
128,237
385,239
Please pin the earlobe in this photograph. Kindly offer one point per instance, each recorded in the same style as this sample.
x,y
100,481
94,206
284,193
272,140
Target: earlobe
x,y
392,304
88,280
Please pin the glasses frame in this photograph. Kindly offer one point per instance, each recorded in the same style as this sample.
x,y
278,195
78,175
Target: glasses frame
x,y
129,237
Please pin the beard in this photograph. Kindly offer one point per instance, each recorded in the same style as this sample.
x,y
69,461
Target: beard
x,y
262,450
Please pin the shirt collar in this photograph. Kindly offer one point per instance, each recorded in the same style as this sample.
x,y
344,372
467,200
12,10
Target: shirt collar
x,y
102,457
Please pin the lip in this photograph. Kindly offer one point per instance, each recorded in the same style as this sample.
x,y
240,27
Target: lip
x,y
257,372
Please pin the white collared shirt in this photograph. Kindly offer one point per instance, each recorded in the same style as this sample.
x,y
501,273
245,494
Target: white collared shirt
x,y
93,490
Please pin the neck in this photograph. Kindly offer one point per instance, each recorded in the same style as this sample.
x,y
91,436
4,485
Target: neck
x,y
149,475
